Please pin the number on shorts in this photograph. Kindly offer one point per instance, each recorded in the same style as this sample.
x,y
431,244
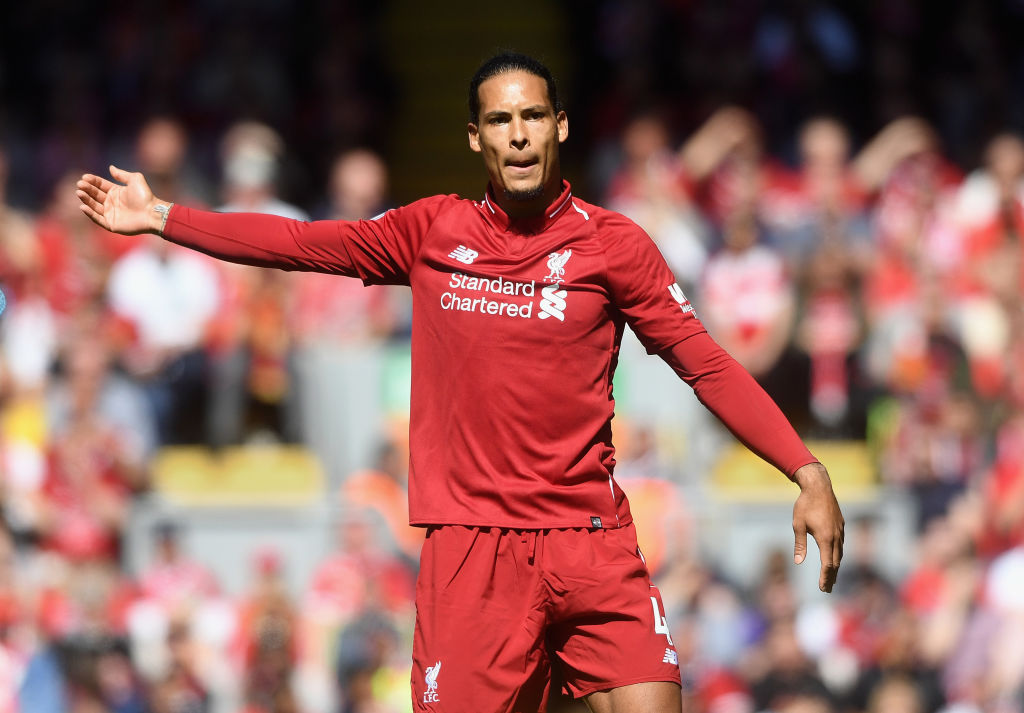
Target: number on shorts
x,y
660,622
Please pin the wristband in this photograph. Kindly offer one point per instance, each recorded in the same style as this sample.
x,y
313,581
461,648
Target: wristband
x,y
164,211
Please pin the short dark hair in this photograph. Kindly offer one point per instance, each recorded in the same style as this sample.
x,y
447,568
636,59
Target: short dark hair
x,y
509,62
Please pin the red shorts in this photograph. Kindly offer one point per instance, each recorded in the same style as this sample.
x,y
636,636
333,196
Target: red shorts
x,y
497,608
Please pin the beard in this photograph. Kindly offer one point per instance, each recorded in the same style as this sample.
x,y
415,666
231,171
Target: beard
x,y
524,194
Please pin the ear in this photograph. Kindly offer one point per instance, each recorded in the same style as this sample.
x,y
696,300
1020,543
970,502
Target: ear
x,y
562,122
474,137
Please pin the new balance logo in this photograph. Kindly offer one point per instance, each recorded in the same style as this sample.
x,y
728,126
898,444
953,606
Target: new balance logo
x,y
552,303
464,255
671,657
677,294
430,696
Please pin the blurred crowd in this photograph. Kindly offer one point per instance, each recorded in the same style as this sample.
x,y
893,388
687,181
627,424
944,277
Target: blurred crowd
x,y
113,348
876,294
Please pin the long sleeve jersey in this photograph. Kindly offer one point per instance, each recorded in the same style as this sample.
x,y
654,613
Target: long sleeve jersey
x,y
515,339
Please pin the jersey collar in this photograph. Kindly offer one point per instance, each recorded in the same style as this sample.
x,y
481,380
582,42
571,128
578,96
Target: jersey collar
x,y
493,212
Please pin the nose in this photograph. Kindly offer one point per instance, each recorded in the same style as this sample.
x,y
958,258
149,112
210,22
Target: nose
x,y
518,138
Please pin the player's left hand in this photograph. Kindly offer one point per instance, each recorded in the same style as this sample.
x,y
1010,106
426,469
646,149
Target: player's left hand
x,y
817,512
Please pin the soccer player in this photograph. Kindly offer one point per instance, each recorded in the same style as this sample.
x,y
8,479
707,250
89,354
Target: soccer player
x,y
520,299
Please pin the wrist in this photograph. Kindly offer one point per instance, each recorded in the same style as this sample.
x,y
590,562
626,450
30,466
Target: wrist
x,y
158,212
811,475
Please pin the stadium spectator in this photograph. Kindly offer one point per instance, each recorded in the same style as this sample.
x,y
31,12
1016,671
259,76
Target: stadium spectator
x,y
13,651
91,474
651,189
748,296
121,689
18,249
86,380
822,206
161,150
933,423
897,655
748,303
990,212
663,521
357,599
896,694
712,614
181,689
358,186
268,628
723,160
361,575
174,580
28,337
168,296
251,156
384,490
1003,491
781,670
829,332
368,648
328,311
990,217
253,390
75,259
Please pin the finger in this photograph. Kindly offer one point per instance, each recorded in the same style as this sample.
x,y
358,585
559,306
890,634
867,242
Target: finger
x,y
800,544
828,578
98,181
94,185
93,193
93,216
95,205
120,174
828,566
837,555
837,548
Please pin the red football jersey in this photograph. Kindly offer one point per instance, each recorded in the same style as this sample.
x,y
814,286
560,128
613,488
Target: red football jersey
x,y
516,332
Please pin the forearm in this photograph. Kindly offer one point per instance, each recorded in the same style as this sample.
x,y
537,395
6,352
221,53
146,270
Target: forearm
x,y
261,240
729,392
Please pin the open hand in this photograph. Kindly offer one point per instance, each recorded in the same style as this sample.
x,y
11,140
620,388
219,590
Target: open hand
x,y
129,209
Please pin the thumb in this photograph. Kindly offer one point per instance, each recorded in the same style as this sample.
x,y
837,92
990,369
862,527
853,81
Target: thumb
x,y
119,174
800,547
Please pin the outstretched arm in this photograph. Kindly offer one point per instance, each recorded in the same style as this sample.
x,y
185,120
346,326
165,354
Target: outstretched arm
x,y
247,238
129,209
378,251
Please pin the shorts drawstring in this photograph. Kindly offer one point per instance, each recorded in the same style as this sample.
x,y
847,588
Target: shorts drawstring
x,y
531,537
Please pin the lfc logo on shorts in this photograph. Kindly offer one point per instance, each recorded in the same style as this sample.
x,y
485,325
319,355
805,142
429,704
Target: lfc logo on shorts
x,y
430,696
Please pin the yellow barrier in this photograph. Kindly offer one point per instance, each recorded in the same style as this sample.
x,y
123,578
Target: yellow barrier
x,y
250,475
740,475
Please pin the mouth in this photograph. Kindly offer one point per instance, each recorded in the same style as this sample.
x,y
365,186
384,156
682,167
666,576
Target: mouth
x,y
521,166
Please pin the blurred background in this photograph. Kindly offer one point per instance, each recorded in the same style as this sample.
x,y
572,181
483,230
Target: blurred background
x,y
202,466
